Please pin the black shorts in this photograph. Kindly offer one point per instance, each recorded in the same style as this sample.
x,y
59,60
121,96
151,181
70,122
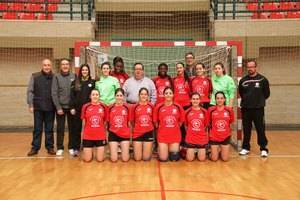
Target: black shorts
x,y
93,143
195,146
112,137
224,142
146,137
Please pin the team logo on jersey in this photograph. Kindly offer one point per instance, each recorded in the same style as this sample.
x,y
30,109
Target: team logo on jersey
x,y
221,124
170,121
167,83
149,110
201,115
100,110
196,124
257,85
89,85
118,121
95,121
121,80
124,112
174,111
144,120
204,82
226,114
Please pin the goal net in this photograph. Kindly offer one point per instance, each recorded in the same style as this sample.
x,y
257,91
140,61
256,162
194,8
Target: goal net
x,y
152,54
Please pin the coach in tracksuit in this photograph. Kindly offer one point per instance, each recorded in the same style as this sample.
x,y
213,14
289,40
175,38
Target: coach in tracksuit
x,y
61,92
40,104
254,90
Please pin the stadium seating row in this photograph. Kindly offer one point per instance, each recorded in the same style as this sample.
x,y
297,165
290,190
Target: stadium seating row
x,y
27,7
276,15
26,16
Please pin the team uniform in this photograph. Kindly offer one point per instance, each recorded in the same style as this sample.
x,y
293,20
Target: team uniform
x,y
95,117
220,121
203,86
161,84
118,118
122,77
196,122
168,119
181,91
142,117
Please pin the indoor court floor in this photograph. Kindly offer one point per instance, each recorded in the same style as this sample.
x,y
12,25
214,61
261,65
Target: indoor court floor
x,y
251,177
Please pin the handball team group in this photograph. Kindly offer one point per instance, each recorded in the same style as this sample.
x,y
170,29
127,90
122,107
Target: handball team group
x,y
183,117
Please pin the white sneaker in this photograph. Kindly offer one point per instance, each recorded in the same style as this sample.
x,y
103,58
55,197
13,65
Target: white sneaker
x,y
71,152
59,152
264,153
244,152
76,153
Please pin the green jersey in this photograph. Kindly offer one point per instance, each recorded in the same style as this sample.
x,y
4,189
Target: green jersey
x,y
107,87
225,84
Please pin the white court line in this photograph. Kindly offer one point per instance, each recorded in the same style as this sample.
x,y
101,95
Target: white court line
x,y
29,158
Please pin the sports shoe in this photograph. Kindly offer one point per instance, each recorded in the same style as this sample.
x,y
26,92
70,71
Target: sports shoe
x,y
32,152
76,153
244,152
264,153
71,152
59,152
51,152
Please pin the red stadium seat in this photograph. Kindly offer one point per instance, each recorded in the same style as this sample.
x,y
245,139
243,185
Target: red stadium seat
x,y
27,16
260,16
34,7
10,15
293,15
54,1
16,6
3,6
42,16
52,7
277,15
287,5
297,6
252,6
269,6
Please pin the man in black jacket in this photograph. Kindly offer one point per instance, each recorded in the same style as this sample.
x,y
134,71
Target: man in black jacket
x,y
40,104
254,90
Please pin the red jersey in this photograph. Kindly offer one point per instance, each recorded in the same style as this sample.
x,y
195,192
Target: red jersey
x,y
196,122
161,84
118,118
203,86
95,117
142,116
168,119
122,77
181,91
220,121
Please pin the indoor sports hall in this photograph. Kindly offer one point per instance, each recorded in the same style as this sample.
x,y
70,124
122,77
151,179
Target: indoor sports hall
x,y
149,32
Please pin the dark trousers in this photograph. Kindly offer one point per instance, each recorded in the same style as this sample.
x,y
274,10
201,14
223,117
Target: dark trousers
x,y
43,119
256,116
76,131
182,130
60,129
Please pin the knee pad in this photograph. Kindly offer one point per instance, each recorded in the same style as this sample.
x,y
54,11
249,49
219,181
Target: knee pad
x,y
174,156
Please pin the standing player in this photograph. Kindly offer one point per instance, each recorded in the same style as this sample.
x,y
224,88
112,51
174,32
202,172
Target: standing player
x,y
119,127
182,97
202,84
142,122
220,117
161,81
190,64
81,89
254,90
168,117
107,85
196,123
94,135
119,71
222,82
